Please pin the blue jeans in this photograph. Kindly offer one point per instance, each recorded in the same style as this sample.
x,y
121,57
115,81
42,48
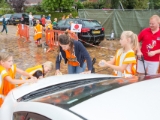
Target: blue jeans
x,y
30,23
4,28
76,69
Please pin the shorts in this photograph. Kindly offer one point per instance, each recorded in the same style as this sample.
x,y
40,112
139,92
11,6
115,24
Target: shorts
x,y
150,67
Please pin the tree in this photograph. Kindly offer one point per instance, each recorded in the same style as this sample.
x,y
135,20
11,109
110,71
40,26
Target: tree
x,y
5,7
135,4
101,4
156,4
17,5
79,5
114,4
52,5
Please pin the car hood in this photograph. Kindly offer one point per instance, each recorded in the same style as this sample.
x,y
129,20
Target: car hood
x,y
52,80
138,101
5,19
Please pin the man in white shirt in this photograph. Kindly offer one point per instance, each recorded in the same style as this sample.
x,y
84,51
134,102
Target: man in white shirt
x,y
30,19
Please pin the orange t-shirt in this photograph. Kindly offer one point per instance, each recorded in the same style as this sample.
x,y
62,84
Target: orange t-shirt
x,y
34,69
72,59
38,31
6,86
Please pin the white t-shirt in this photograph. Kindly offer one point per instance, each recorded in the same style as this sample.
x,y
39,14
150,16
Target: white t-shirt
x,y
30,17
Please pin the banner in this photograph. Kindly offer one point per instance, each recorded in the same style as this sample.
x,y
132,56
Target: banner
x,y
76,27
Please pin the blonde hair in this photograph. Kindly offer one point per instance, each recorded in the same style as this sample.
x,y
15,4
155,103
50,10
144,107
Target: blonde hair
x,y
4,56
156,17
55,19
37,21
49,64
133,37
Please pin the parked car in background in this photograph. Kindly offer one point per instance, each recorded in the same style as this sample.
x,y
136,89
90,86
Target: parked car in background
x,y
7,19
85,97
20,18
36,17
91,32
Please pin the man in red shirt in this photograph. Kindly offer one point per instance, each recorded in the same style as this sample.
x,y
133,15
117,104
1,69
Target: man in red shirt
x,y
150,47
43,20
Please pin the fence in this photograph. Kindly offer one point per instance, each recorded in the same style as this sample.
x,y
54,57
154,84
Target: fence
x,y
23,31
118,20
52,38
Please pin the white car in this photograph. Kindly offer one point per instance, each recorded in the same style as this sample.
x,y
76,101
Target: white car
x,y
7,19
85,97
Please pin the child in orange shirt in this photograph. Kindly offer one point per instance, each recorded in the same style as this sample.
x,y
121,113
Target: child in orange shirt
x,y
40,71
124,62
8,71
38,33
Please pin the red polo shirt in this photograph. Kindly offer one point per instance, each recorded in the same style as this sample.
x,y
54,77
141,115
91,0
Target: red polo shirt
x,y
150,42
43,20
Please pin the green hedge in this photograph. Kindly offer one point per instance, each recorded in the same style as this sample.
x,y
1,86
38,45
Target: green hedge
x,y
58,15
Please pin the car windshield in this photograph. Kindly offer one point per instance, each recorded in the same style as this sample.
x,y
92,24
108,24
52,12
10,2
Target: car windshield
x,y
91,23
37,16
74,95
8,15
70,20
17,15
61,22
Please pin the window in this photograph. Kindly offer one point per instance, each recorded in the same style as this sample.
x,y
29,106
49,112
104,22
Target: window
x,y
85,89
34,116
7,15
91,23
37,16
19,115
61,22
28,116
17,15
25,16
